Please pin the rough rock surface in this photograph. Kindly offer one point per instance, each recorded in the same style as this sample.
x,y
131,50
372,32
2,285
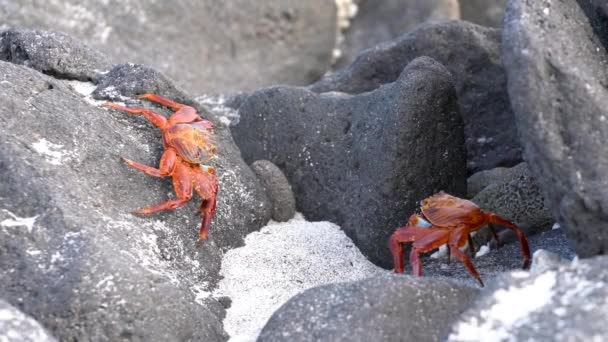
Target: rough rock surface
x,y
17,327
386,308
209,46
472,54
568,302
73,256
52,53
277,188
516,197
483,12
362,162
558,71
378,21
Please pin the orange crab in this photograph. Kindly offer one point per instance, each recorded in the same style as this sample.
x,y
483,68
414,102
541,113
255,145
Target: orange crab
x,y
447,220
188,143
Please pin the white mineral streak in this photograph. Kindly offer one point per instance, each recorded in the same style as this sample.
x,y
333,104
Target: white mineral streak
x,y
16,221
53,153
280,261
508,312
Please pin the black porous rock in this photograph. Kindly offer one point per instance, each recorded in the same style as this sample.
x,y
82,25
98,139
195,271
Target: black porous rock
x,y
378,21
15,326
558,73
516,197
566,302
472,55
386,308
53,53
71,254
277,188
365,161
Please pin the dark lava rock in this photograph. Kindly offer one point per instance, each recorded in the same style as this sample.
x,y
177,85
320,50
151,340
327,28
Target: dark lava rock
x,y
277,188
482,179
18,327
568,302
558,73
472,55
364,161
518,198
71,254
483,12
209,46
387,308
378,21
53,53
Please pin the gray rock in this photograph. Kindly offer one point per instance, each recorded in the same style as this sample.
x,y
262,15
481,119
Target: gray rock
x,y
560,102
277,188
565,303
518,198
472,54
543,261
52,53
73,257
483,12
482,179
387,308
17,327
378,21
208,46
362,161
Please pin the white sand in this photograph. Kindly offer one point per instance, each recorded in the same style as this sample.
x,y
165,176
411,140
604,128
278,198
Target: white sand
x,y
278,262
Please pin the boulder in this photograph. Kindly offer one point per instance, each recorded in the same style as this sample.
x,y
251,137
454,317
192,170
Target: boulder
x,y
277,188
472,54
384,308
515,196
208,46
560,100
73,257
378,21
566,302
361,161
15,326
53,53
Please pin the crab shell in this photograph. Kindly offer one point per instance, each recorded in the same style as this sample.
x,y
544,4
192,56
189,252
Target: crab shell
x,y
192,141
447,211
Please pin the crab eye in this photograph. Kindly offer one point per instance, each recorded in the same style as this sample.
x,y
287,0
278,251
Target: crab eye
x,y
208,168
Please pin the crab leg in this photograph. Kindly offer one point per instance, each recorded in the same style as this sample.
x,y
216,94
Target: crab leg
x,y
157,119
457,239
182,183
162,100
498,245
525,250
471,245
402,235
167,164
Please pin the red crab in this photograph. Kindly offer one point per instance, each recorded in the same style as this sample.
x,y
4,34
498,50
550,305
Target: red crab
x,y
188,143
447,220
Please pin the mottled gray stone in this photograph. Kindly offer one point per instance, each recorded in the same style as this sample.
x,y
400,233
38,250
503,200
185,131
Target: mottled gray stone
x,y
516,197
73,257
207,46
277,188
378,21
472,54
568,302
386,308
361,161
53,53
18,327
483,12
558,71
